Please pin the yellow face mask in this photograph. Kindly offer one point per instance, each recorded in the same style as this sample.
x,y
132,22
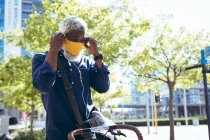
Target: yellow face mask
x,y
73,48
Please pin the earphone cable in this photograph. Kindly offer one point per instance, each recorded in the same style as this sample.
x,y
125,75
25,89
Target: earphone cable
x,y
80,74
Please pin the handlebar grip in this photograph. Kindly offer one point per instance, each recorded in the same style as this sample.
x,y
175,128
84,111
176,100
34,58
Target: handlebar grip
x,y
132,128
118,126
74,133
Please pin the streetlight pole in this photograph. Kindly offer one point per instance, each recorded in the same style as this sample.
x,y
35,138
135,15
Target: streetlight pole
x,y
123,115
200,103
152,107
205,59
147,110
185,108
204,70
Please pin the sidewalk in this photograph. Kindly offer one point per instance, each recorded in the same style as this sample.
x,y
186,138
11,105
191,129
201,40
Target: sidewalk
x,y
181,132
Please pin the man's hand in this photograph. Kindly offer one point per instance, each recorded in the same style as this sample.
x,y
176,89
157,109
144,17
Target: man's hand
x,y
92,47
56,42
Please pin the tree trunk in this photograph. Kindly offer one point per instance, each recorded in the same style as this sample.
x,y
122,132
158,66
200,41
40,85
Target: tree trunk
x,y
171,112
100,106
32,120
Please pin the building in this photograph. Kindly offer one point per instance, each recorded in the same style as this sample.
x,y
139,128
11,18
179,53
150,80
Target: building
x,y
136,107
195,100
12,16
2,7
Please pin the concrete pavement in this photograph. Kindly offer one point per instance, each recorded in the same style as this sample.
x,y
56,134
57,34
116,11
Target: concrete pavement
x,y
181,132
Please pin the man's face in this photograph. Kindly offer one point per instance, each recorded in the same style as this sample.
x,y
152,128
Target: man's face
x,y
76,36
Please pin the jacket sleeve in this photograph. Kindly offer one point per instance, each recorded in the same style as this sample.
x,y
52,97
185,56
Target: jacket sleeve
x,y
43,76
99,78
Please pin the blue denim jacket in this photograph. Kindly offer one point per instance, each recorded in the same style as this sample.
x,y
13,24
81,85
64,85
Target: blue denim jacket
x,y
83,75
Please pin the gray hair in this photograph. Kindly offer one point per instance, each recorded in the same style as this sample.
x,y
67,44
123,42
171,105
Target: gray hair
x,y
72,23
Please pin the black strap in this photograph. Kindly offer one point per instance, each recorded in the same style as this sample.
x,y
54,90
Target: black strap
x,y
70,93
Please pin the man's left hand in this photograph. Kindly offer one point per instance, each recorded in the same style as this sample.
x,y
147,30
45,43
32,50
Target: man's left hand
x,y
92,47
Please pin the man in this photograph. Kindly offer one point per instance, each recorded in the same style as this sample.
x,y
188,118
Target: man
x,y
82,73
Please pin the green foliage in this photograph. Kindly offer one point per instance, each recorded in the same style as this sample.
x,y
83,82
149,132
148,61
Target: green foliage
x,y
161,57
16,85
100,99
163,54
112,27
37,135
161,122
116,91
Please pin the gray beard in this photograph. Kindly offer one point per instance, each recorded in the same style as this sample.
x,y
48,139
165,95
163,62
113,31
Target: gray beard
x,y
70,57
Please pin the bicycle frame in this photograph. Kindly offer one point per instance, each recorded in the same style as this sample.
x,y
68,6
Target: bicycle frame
x,y
108,128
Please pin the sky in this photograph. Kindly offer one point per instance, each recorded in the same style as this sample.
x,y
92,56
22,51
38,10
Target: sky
x,y
192,14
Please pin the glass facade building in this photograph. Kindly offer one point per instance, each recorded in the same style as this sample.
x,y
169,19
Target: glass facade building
x,y
137,105
27,9
13,13
2,3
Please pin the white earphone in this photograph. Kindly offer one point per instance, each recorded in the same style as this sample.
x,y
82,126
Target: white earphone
x,y
80,75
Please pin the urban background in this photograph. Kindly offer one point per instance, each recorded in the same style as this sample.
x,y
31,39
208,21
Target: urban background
x,y
12,16
133,105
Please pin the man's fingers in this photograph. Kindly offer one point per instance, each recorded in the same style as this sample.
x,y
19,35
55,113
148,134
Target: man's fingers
x,y
86,40
86,46
58,35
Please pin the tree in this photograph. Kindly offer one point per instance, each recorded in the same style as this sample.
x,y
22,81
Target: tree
x,y
113,27
116,91
17,87
161,56
100,99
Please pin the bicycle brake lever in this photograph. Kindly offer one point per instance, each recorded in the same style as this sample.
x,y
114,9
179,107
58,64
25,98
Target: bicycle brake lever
x,y
117,133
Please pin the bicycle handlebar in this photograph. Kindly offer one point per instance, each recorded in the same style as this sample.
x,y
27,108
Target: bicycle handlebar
x,y
118,126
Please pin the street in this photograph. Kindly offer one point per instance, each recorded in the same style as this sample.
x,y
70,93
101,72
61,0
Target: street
x,y
181,132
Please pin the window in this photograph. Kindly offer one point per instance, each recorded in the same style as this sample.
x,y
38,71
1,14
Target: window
x,y
2,3
1,28
26,7
25,15
1,20
1,50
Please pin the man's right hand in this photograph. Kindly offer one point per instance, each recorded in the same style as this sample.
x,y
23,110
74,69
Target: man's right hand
x,y
56,42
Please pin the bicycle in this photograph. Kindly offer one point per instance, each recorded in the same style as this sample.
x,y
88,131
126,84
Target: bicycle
x,y
114,130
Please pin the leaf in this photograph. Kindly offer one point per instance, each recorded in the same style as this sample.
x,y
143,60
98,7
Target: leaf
x,y
17,87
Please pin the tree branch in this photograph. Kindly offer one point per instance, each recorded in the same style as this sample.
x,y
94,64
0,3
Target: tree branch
x,y
27,103
167,71
153,77
162,48
158,61
165,55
